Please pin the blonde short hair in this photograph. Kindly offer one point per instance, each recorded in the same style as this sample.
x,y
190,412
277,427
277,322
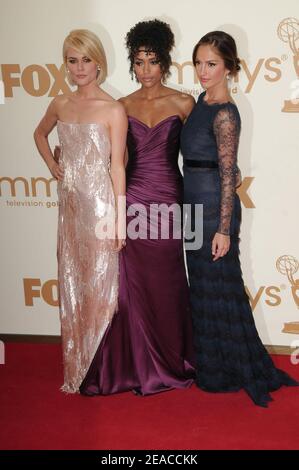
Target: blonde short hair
x,y
87,43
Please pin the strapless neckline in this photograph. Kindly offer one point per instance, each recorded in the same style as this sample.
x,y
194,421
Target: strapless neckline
x,y
96,124
173,116
83,123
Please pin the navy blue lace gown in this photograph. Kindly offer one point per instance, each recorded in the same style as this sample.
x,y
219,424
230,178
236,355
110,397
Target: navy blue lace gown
x,y
229,352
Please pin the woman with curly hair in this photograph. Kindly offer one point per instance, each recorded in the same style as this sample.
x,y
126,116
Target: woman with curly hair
x,y
148,347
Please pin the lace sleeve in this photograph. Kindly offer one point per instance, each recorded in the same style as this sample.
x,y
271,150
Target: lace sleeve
x,y
227,131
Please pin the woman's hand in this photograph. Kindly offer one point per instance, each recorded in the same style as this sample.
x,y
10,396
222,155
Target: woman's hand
x,y
56,171
120,240
119,244
57,152
220,245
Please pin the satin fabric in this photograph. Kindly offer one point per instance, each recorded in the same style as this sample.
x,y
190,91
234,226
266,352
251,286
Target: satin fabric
x,y
148,346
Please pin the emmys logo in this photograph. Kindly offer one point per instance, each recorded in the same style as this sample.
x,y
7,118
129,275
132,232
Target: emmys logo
x,y
28,187
288,31
268,68
288,266
31,188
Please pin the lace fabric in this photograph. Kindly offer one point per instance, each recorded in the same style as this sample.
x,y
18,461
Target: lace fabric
x,y
227,128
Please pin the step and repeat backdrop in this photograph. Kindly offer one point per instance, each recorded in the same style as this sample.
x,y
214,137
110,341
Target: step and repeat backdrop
x,y
266,92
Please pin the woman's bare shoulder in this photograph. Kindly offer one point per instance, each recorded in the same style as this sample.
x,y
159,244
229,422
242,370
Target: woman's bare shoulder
x,y
183,101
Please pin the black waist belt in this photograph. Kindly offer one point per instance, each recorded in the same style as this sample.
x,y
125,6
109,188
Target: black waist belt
x,y
201,163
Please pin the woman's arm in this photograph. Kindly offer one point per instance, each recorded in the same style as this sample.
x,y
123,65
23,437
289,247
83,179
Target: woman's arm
x,y
227,131
186,103
123,101
118,130
189,103
41,133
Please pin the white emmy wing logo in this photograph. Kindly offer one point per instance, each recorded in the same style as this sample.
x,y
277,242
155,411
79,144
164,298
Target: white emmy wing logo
x,y
288,265
288,31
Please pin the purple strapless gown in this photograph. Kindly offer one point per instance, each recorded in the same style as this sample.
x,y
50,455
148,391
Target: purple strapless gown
x,y
148,345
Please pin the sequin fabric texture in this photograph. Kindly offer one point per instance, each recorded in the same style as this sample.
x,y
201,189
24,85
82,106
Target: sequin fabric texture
x,y
87,263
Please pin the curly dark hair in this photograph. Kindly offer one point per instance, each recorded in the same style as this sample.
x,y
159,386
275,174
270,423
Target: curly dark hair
x,y
155,36
226,47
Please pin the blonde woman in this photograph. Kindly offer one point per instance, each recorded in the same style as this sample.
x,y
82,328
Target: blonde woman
x,y
92,130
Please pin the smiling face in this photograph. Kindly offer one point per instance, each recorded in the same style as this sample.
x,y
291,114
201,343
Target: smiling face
x,y
82,69
147,68
210,67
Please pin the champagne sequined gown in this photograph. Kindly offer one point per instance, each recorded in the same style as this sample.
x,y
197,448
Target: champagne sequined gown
x,y
87,266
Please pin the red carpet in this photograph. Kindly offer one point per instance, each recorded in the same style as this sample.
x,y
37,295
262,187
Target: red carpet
x,y
36,415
